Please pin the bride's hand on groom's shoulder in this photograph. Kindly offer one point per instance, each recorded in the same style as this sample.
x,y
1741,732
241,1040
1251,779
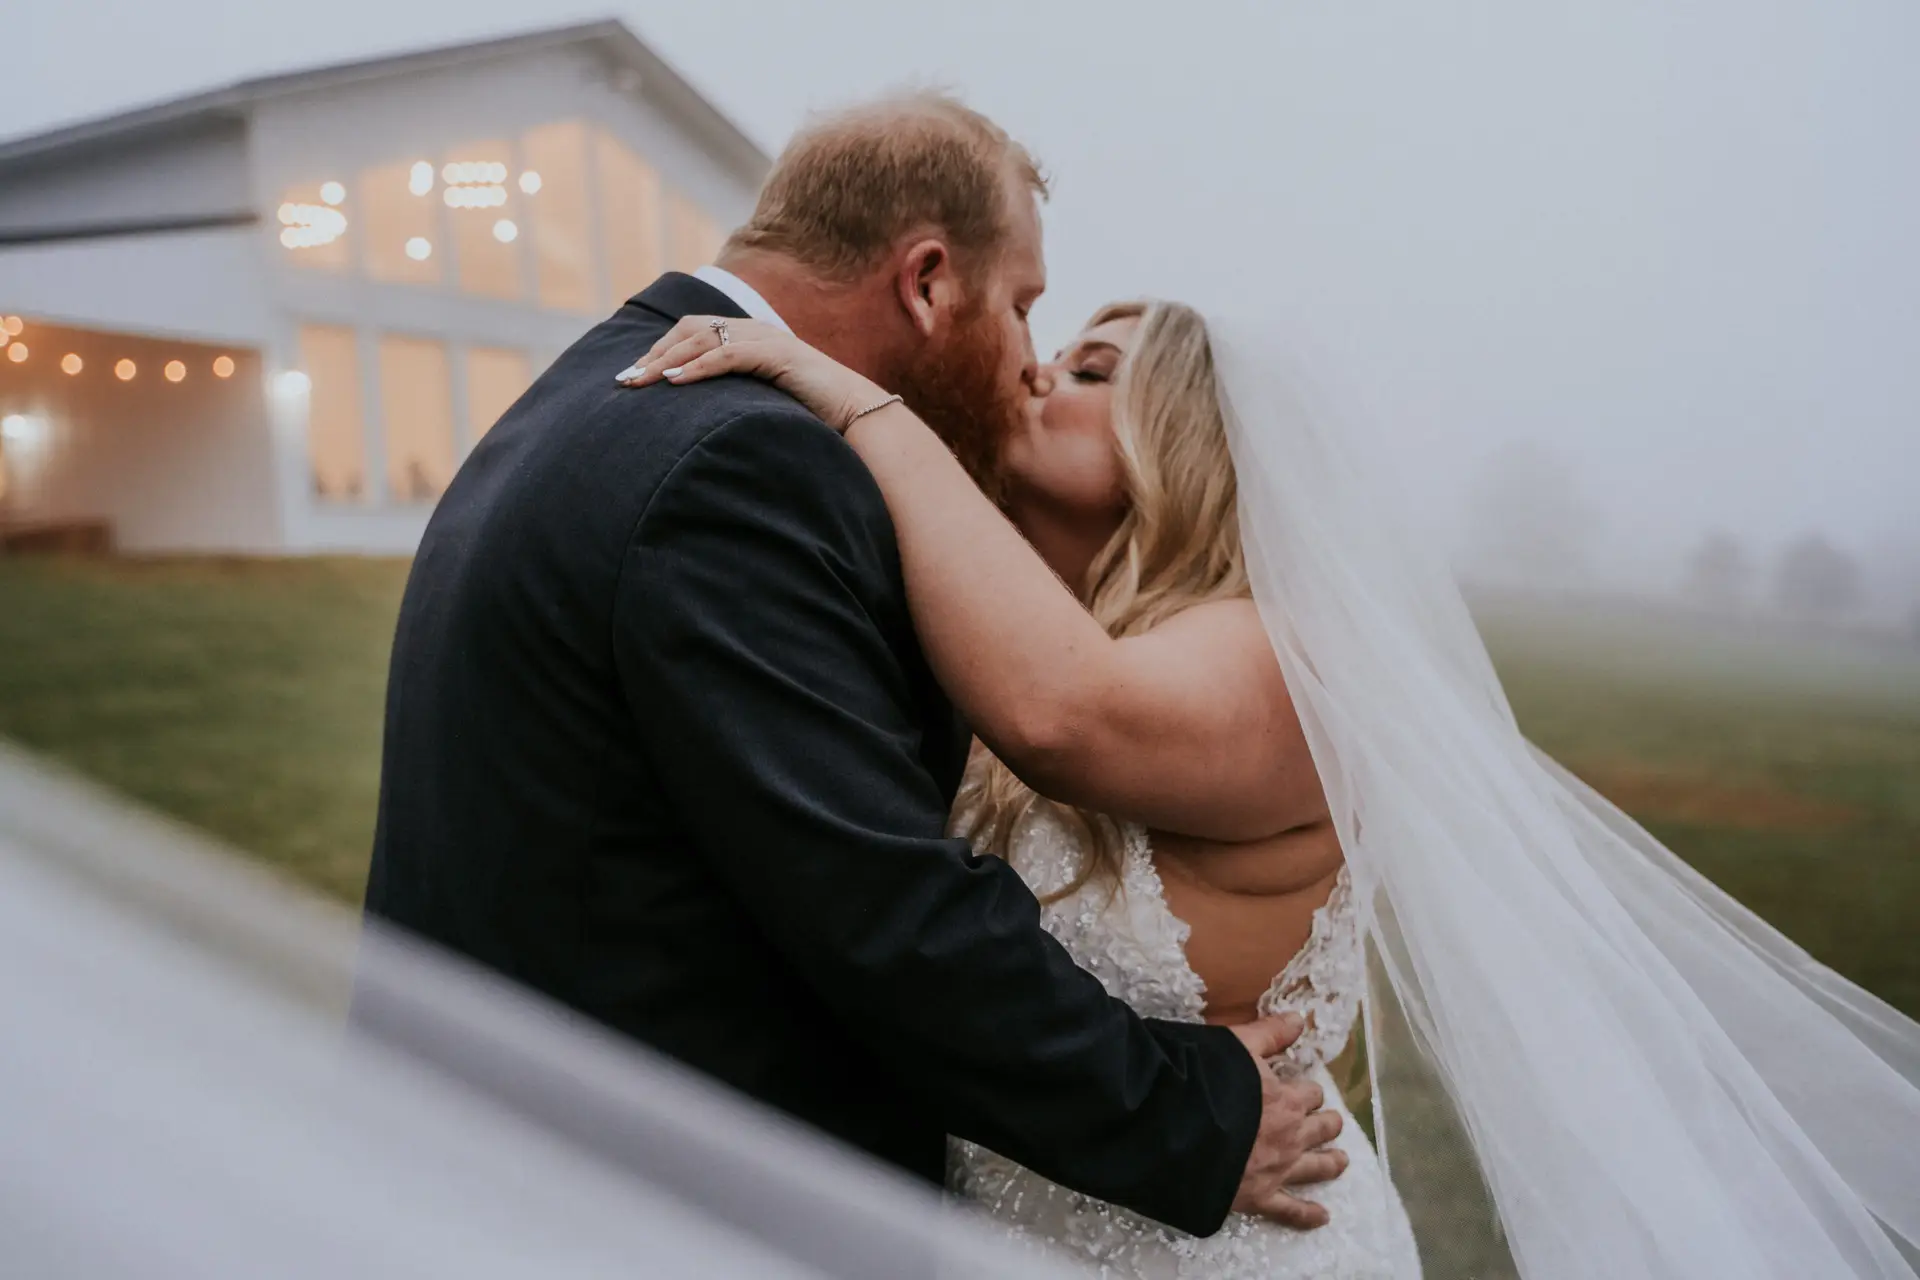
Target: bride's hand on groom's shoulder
x,y
702,347
1291,1148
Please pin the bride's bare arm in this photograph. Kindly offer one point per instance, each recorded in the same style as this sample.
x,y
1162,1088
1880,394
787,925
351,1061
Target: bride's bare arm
x,y
1187,728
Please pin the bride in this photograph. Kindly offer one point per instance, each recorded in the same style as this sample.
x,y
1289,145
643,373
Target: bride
x,y
1261,764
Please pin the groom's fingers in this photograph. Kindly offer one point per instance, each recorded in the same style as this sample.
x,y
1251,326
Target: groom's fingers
x,y
1292,1211
1317,1166
1269,1037
1320,1128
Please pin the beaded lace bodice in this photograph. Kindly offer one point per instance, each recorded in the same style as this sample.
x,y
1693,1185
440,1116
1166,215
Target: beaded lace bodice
x,y
1127,937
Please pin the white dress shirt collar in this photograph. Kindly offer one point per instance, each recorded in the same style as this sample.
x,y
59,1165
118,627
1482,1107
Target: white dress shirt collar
x,y
744,295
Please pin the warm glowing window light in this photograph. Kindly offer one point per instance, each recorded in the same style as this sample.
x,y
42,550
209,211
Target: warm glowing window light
x,y
125,369
474,197
175,371
17,352
333,193
307,226
505,231
475,184
223,366
419,248
470,172
71,364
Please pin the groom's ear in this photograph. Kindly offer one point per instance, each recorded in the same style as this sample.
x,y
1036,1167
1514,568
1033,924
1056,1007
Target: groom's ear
x,y
928,286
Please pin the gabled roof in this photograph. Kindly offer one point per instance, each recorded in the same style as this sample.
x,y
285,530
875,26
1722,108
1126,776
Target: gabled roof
x,y
658,81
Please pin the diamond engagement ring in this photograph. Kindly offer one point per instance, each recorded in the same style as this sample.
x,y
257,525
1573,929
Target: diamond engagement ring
x,y
720,328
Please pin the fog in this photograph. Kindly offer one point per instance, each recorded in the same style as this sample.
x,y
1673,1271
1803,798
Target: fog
x,y
1660,257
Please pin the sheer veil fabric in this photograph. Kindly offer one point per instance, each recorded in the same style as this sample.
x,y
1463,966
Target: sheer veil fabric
x,y
1588,1060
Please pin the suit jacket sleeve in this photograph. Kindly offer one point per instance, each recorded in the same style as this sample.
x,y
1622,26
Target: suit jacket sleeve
x,y
750,633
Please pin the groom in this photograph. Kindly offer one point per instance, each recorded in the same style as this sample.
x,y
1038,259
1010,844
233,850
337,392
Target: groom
x,y
661,742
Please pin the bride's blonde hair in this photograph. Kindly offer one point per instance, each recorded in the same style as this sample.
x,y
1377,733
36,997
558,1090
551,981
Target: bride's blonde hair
x,y
1178,546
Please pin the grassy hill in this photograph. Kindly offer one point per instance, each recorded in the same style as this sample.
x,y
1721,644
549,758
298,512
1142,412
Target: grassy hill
x,y
245,697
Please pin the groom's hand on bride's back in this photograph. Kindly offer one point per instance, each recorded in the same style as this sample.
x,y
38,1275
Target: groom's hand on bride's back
x,y
1291,1148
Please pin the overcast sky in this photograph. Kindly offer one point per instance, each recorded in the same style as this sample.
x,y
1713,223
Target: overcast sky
x,y
1676,243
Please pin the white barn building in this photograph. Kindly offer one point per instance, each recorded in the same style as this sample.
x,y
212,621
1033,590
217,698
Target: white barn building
x,y
274,317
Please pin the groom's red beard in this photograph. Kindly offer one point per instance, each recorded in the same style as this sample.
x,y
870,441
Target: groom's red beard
x,y
958,389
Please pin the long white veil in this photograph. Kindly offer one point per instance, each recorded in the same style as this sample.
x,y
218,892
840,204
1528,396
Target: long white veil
x,y
1588,1060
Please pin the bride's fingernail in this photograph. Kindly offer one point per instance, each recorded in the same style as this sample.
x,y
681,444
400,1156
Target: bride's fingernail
x,y
630,373
673,372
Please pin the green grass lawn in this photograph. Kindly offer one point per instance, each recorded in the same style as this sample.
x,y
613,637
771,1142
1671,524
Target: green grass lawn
x,y
245,697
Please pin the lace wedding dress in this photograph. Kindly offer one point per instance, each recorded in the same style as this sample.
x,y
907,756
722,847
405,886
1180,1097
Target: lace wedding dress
x,y
1126,936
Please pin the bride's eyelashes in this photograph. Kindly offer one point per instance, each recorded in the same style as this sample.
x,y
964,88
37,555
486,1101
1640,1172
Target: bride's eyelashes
x,y
1087,375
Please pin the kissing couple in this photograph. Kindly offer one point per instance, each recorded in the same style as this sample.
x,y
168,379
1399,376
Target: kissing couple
x,y
1046,775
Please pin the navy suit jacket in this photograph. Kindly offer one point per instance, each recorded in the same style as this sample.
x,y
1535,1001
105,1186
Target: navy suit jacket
x,y
661,743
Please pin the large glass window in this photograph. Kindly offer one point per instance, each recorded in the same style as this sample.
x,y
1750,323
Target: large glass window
x,y
416,406
495,379
483,209
312,221
630,230
554,192
400,224
692,238
336,431
565,215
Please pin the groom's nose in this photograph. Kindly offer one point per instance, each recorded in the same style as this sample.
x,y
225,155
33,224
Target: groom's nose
x,y
1040,380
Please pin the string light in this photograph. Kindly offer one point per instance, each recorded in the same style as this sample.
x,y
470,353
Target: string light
x,y
21,429
175,371
420,178
530,182
505,231
71,364
332,193
13,325
223,366
419,248
17,352
124,369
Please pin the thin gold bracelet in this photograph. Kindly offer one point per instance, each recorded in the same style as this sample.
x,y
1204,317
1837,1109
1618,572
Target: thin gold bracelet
x,y
875,407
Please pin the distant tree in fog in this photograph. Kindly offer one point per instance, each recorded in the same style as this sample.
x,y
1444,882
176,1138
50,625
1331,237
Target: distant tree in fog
x,y
1815,579
1719,573
1529,524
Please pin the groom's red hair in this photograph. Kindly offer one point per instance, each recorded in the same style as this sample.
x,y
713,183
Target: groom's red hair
x,y
851,184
